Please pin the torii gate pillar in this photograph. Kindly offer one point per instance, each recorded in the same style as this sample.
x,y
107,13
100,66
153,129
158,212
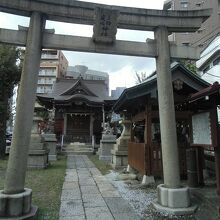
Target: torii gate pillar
x,y
15,200
172,197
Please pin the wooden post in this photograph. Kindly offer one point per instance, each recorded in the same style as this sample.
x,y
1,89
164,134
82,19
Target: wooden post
x,y
216,144
147,138
200,165
217,169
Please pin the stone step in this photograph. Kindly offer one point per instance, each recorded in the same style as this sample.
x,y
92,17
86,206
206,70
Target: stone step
x,y
74,149
78,153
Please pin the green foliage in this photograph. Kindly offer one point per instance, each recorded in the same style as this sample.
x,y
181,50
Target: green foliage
x,y
190,65
10,71
46,185
103,167
44,114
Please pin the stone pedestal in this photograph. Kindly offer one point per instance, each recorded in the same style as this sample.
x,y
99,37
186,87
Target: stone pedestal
x,y
50,143
38,153
174,201
17,206
106,145
120,150
147,180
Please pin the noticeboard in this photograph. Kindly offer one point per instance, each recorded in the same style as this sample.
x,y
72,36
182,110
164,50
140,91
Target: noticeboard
x,y
201,126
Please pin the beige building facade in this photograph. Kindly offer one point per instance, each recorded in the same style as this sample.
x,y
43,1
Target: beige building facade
x,y
53,65
209,29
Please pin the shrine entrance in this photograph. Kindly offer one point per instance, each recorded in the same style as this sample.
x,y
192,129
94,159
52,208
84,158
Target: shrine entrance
x,y
78,127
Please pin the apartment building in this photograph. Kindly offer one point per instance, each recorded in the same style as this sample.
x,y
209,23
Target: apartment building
x,y
209,63
208,31
53,65
74,72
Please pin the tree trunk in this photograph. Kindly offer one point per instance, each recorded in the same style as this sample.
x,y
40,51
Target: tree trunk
x,y
3,119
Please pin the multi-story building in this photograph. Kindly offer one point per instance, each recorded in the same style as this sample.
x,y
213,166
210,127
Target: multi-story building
x,y
53,65
209,29
115,93
209,63
74,72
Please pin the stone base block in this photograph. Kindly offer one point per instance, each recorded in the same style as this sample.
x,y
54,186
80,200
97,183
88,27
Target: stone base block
x,y
105,158
147,180
119,159
174,211
130,169
174,201
16,206
105,149
38,159
52,157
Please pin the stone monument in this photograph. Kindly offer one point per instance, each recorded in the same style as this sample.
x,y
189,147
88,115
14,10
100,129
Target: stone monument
x,y
38,153
120,149
50,143
106,144
50,139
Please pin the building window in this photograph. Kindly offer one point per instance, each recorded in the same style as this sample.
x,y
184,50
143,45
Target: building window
x,y
184,4
199,3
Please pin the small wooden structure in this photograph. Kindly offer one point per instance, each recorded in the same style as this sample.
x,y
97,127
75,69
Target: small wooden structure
x,y
144,149
205,128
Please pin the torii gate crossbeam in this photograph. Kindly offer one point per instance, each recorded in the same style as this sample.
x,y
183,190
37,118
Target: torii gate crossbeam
x,y
129,18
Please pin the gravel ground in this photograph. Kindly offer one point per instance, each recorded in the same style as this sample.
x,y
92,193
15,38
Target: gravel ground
x,y
140,198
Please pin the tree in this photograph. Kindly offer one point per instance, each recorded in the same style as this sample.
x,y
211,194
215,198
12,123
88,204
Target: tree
x,y
10,72
190,65
139,77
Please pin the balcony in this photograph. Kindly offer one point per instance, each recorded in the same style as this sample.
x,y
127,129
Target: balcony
x,y
49,56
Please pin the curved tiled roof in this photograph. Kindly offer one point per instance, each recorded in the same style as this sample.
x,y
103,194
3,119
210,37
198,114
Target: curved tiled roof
x,y
70,90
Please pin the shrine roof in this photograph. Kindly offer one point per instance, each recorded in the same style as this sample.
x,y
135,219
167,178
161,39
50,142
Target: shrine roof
x,y
149,86
70,90
212,89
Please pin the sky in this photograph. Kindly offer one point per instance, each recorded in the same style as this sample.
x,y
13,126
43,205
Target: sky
x,y
121,69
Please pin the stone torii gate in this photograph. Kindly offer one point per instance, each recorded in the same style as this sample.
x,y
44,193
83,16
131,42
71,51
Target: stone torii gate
x,y
15,200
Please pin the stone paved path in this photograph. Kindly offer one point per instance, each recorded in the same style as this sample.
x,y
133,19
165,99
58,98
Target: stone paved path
x,y
87,195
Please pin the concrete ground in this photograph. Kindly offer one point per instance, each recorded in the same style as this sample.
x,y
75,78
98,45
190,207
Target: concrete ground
x,y
88,195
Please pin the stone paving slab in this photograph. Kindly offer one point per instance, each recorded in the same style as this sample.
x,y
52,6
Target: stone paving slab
x,y
118,205
106,187
71,178
127,216
70,194
70,208
87,195
71,185
76,217
87,182
107,194
94,202
89,190
98,213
